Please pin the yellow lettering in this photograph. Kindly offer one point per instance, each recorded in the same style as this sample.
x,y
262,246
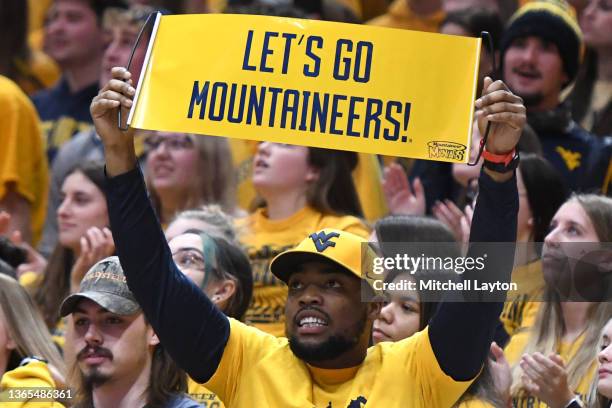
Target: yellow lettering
x,y
572,159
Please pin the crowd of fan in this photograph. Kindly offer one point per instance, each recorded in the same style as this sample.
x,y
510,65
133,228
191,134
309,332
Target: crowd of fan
x,y
228,207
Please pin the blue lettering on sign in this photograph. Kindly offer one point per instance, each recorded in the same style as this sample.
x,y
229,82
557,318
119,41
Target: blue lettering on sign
x,y
266,51
247,53
392,136
296,109
214,101
256,105
275,92
315,69
335,114
198,98
345,61
288,38
346,65
290,108
352,116
230,115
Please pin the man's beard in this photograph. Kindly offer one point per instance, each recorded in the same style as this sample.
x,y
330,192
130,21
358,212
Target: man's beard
x,y
94,378
333,347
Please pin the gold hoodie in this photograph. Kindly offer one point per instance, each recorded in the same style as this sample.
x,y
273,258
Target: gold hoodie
x,y
33,376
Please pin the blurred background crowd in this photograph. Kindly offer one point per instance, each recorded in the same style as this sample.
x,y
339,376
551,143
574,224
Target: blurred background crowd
x,y
259,199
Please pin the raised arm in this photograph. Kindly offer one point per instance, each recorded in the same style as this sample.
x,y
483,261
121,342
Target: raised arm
x,y
189,326
461,333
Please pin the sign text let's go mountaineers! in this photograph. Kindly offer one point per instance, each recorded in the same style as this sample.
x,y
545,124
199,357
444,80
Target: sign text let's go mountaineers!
x,y
313,83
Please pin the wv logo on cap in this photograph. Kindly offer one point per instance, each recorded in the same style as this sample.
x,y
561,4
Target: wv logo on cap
x,y
323,241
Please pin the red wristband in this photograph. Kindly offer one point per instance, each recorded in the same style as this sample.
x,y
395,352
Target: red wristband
x,y
498,158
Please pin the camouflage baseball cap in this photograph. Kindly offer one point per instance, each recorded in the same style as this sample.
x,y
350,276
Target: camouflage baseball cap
x,y
106,285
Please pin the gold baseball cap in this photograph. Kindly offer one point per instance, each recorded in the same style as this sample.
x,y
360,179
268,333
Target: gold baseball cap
x,y
340,247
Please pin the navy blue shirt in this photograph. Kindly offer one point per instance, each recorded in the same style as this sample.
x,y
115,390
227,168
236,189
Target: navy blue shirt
x,y
63,113
568,147
572,153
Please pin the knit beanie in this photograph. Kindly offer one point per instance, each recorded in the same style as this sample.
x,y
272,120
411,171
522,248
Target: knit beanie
x,y
552,20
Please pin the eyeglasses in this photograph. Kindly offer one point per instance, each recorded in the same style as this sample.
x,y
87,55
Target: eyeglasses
x,y
172,143
189,258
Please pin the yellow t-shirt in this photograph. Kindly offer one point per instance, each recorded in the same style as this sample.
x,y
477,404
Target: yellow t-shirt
x,y
367,177
567,351
35,375
263,239
400,15
203,395
23,161
521,307
258,369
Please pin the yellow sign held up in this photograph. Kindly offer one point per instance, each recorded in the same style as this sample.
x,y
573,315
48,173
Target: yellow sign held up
x,y
312,83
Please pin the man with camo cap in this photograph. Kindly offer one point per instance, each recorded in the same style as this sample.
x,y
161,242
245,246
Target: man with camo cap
x,y
117,353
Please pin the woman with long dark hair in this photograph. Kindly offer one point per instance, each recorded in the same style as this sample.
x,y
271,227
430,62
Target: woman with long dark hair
x,y
403,314
302,190
83,212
